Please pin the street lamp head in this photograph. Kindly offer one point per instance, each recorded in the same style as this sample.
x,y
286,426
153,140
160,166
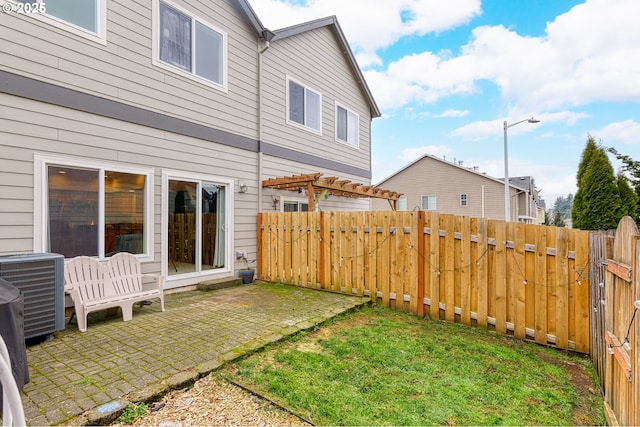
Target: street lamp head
x,y
533,120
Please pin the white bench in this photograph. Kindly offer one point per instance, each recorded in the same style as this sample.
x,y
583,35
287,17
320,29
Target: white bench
x,y
94,286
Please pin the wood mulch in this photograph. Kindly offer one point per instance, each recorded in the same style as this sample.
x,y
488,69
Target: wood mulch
x,y
214,401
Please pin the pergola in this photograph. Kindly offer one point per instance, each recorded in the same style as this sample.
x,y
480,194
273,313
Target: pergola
x,y
317,187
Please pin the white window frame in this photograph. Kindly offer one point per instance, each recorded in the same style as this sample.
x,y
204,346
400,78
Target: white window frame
x,y
306,89
464,199
350,112
40,223
223,86
175,281
429,198
297,200
402,203
99,36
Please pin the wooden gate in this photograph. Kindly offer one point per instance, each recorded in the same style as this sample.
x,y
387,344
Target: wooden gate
x,y
622,330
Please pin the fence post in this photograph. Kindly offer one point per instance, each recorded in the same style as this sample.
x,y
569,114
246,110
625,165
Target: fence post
x,y
421,256
260,266
322,273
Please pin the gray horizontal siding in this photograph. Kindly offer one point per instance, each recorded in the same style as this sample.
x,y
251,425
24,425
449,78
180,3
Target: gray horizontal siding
x,y
29,127
314,59
122,70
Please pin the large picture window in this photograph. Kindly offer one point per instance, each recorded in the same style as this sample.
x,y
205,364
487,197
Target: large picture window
x,y
347,125
190,45
304,106
95,211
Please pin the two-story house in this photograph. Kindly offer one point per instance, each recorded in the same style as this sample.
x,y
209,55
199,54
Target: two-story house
x,y
529,205
150,125
431,183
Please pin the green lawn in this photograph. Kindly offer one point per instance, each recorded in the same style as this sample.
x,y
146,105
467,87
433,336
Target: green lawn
x,y
380,367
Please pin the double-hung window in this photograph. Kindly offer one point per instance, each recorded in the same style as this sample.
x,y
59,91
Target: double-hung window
x,y
429,203
464,199
94,210
83,17
187,44
304,106
347,125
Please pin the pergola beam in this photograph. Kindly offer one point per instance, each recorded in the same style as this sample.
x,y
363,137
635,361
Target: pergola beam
x,y
315,183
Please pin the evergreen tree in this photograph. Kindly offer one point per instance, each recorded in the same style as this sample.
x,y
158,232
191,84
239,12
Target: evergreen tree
x,y
563,205
632,169
578,205
557,220
628,197
597,204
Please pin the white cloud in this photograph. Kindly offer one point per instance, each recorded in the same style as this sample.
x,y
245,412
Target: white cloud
x,y
480,130
453,113
626,132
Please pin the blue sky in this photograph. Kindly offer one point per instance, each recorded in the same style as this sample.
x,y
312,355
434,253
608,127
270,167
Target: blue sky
x,y
447,74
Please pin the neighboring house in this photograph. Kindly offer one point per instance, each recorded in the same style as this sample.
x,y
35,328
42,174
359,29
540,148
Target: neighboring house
x,y
430,183
529,206
149,126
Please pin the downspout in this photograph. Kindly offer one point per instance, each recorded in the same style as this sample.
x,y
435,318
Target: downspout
x,y
482,216
262,47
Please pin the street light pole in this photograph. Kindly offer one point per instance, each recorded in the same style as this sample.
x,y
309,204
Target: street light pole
x,y
507,198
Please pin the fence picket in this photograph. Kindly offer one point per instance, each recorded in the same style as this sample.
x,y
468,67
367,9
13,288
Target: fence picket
x,y
447,276
541,286
483,271
562,289
465,270
500,279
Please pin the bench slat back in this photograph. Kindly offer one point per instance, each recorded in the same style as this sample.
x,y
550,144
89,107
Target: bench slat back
x,y
125,272
87,276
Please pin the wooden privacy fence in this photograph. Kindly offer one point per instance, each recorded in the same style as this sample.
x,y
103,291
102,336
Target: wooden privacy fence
x,y
616,334
527,280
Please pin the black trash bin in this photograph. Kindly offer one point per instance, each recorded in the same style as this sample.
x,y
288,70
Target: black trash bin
x,y
12,332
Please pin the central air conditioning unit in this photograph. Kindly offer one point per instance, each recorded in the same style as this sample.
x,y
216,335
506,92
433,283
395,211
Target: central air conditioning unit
x,y
40,277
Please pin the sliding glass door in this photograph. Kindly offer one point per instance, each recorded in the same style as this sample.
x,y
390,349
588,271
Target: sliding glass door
x,y
196,221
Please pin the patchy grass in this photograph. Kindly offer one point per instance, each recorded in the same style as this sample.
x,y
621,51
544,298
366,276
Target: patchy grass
x,y
132,412
382,367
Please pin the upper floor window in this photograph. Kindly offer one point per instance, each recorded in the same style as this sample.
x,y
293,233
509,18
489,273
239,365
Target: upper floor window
x,y
463,199
429,203
189,45
347,126
304,106
83,17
